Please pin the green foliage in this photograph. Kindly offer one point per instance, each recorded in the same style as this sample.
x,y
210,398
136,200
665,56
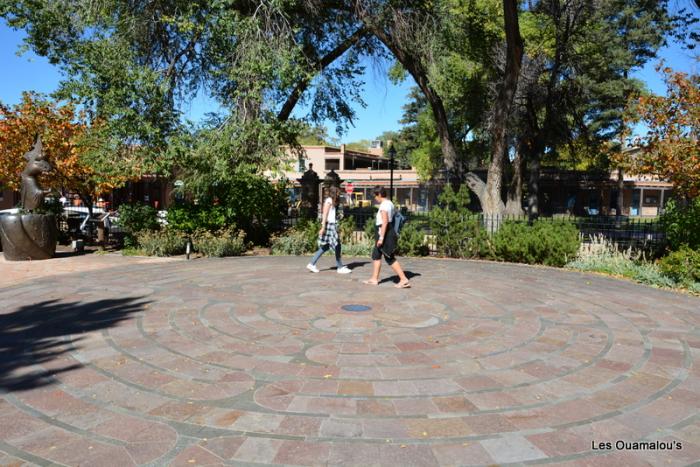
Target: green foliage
x,y
299,240
135,218
412,241
543,242
244,199
361,249
189,217
51,206
370,229
683,265
457,230
224,242
604,257
346,227
132,251
682,224
164,242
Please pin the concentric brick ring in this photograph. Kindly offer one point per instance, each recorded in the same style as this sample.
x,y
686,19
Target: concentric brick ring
x,y
251,360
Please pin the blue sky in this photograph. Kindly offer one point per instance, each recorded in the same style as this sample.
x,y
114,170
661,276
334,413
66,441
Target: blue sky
x,y
29,72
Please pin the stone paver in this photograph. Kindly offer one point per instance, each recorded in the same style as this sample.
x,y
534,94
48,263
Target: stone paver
x,y
110,361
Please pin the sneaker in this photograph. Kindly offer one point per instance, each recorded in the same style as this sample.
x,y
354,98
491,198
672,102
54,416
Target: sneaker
x,y
311,267
344,270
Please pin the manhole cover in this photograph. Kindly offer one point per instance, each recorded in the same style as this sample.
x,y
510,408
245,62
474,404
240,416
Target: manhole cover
x,y
356,307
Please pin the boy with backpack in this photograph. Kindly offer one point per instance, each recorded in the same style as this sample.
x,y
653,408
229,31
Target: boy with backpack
x,y
388,225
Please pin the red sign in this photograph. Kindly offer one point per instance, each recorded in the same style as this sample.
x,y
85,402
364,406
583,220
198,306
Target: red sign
x,y
349,188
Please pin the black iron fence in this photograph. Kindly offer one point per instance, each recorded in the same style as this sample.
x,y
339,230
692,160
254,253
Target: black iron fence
x,y
625,232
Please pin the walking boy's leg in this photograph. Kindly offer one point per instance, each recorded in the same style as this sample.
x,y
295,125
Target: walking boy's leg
x,y
398,270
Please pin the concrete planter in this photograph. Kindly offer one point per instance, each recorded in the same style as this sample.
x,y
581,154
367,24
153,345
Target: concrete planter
x,y
28,236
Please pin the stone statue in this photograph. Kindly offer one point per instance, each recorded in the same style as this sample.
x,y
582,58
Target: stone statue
x,y
32,194
30,235
309,193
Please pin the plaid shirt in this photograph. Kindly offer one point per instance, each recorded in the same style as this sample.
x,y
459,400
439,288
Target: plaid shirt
x,y
329,237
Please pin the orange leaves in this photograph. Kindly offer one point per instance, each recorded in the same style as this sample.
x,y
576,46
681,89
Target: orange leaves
x,y
62,131
671,147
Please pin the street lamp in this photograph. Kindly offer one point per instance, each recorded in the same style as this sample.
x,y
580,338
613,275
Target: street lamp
x,y
392,155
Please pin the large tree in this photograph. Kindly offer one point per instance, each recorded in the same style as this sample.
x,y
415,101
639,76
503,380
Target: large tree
x,y
576,83
135,66
671,146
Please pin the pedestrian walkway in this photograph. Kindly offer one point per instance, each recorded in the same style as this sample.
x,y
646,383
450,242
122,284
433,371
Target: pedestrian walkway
x,y
255,361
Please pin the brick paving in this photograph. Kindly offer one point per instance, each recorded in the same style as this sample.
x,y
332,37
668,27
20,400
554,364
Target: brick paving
x,y
248,361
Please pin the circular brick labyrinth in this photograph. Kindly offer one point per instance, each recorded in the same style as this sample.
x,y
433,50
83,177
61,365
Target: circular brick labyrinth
x,y
253,360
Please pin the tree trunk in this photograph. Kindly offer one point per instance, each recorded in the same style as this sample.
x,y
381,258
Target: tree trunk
x,y
620,191
413,65
514,201
319,65
533,189
491,201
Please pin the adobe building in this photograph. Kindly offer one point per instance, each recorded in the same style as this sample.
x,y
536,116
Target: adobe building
x,y
590,193
362,171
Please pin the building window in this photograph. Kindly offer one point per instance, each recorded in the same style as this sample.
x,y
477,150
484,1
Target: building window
x,y
332,164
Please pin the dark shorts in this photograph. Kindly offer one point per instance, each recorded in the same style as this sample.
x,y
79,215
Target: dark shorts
x,y
387,246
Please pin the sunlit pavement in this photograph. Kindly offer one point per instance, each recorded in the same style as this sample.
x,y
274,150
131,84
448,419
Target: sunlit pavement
x,y
254,360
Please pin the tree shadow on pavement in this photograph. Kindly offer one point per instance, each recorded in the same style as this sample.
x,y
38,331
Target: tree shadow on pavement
x,y
36,334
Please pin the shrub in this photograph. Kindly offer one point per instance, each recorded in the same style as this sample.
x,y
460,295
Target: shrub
x,y
245,199
299,240
165,242
189,217
346,228
224,242
456,229
682,224
363,248
135,218
683,266
543,242
601,255
412,241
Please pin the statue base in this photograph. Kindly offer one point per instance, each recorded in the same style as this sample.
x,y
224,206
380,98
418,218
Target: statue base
x,y
28,236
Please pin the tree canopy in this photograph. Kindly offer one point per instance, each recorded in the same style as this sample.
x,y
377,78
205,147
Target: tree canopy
x,y
501,84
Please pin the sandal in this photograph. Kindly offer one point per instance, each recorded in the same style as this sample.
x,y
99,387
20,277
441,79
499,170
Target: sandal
x,y
403,285
370,282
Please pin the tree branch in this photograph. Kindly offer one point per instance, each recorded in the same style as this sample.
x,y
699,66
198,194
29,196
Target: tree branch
x,y
325,61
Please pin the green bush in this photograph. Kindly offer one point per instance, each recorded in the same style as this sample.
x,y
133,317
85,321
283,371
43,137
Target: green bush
x,y
224,242
165,242
245,199
358,249
412,241
543,242
346,228
457,230
135,218
601,255
189,217
299,240
682,224
683,266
